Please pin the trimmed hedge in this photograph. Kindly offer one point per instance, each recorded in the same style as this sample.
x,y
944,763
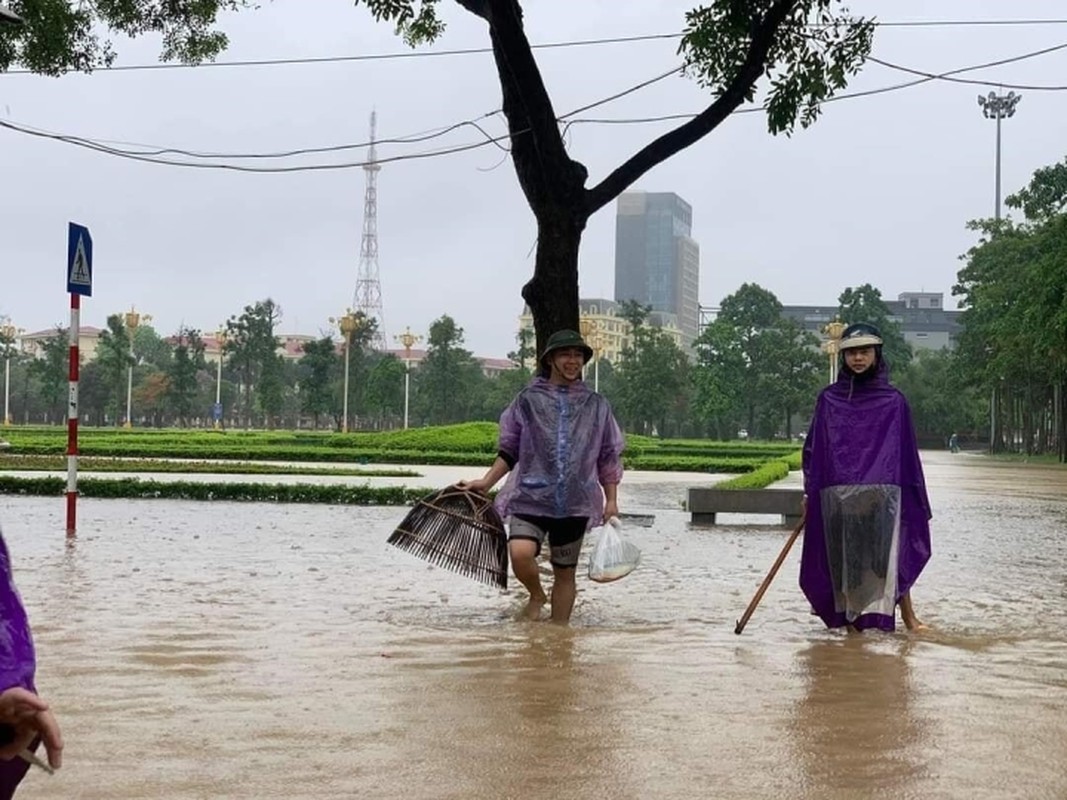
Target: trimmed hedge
x,y
58,463
247,492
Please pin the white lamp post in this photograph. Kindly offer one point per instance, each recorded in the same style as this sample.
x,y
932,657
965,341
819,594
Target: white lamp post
x,y
133,320
8,332
407,338
349,324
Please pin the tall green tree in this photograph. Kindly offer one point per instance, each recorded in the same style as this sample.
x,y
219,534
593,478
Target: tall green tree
x,y
52,372
792,54
753,315
114,354
793,377
448,377
320,367
384,395
864,304
182,373
718,380
252,350
651,381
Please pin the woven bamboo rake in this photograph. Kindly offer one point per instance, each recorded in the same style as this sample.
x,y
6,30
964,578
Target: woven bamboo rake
x,y
459,530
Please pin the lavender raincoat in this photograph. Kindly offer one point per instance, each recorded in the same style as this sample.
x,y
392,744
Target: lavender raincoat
x,y
563,444
867,535
17,659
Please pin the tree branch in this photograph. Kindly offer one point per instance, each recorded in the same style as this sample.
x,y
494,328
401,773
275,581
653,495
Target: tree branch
x,y
704,123
545,171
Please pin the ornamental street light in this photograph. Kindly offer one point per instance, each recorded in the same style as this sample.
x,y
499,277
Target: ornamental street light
x,y
349,324
220,342
998,107
833,330
132,320
407,338
8,334
590,329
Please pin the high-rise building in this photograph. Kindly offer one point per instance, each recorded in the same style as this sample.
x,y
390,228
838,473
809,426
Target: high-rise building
x,y
657,262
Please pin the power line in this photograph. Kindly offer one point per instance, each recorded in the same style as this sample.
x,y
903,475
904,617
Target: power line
x,y
972,81
403,55
153,157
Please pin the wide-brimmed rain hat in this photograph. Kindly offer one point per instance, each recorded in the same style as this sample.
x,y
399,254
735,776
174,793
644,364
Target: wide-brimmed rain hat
x,y
860,334
566,338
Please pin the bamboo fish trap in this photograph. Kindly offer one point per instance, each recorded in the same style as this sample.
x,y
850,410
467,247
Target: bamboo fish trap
x,y
459,530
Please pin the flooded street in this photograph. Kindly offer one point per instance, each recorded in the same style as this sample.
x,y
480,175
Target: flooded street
x,y
220,650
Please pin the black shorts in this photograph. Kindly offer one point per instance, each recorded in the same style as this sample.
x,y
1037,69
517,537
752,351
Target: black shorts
x,y
564,534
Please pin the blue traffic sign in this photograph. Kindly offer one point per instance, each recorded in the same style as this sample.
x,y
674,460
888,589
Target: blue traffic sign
x,y
79,260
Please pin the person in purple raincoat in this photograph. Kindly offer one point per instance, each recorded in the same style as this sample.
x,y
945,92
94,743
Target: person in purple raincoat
x,y
563,448
867,532
25,718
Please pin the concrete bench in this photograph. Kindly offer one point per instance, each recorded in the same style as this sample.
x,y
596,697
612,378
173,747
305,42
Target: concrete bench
x,y
704,504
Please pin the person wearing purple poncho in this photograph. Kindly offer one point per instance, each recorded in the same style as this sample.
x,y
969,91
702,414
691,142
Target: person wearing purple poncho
x,y
24,717
563,448
867,532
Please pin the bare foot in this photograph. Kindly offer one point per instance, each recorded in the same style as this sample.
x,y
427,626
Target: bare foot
x,y
533,608
913,623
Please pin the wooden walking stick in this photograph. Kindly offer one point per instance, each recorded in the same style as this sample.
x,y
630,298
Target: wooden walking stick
x,y
770,576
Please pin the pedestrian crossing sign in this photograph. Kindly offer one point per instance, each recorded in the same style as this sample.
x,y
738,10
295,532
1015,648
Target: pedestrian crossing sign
x,y
79,260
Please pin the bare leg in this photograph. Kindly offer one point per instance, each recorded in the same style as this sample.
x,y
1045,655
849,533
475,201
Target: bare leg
x,y
563,592
524,565
907,612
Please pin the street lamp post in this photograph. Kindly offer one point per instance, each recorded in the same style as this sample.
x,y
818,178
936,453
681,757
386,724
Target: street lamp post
x,y
349,324
407,338
133,320
997,106
8,332
833,330
220,342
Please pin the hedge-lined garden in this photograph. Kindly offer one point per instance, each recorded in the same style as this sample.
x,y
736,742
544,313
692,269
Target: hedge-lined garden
x,y
468,444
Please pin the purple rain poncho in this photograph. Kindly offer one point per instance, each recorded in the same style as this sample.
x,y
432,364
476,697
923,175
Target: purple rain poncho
x,y
867,535
565,444
17,659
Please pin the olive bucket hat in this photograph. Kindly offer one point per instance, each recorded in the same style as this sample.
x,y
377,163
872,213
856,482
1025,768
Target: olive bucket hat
x,y
566,338
860,334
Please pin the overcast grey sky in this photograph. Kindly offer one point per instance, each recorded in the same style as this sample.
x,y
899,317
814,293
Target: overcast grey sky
x,y
878,190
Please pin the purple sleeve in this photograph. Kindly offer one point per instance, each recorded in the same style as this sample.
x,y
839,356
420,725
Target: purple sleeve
x,y
510,431
811,441
612,443
17,658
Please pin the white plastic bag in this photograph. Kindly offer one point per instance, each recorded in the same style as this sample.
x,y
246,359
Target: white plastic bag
x,y
613,557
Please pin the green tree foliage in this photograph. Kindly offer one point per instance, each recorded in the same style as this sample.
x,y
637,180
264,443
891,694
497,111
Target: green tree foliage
x,y
252,349
52,371
449,379
651,383
183,387
794,375
320,370
865,304
941,403
799,52
717,378
384,396
115,357
1014,342
752,313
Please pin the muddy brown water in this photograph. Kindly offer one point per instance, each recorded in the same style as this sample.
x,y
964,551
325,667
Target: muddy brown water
x,y
259,651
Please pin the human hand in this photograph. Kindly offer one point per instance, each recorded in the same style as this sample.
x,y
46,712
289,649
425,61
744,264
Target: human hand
x,y
479,485
611,509
23,717
804,506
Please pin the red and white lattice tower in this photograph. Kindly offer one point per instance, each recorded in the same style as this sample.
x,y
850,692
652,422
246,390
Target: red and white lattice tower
x,y
368,299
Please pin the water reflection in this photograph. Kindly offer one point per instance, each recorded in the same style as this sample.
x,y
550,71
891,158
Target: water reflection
x,y
856,727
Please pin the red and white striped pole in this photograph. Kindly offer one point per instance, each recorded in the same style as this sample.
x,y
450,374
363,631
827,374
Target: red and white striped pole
x,y
72,416
79,282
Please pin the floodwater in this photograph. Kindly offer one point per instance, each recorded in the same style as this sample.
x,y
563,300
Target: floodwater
x,y
258,651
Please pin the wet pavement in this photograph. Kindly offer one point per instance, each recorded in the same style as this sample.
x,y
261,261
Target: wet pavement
x,y
223,650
